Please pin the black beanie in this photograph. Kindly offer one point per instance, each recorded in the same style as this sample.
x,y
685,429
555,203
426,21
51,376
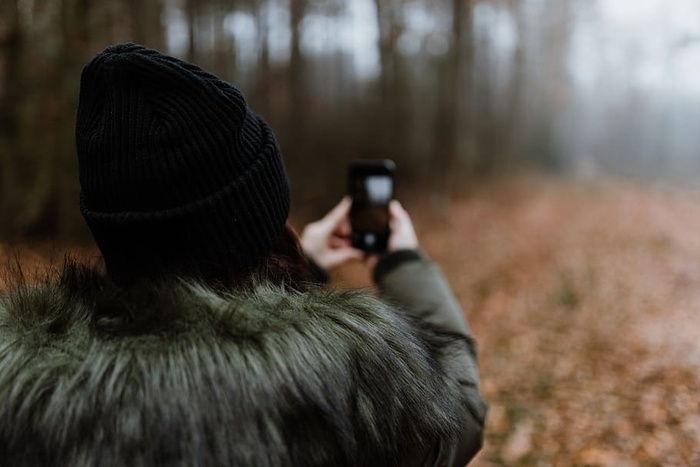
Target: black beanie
x,y
177,174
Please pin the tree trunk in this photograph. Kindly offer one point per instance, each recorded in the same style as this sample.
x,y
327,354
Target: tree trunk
x,y
296,127
11,54
146,24
224,50
450,96
74,52
192,13
514,110
390,121
263,82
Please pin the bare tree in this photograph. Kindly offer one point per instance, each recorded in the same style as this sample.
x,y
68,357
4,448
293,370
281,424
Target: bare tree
x,y
263,81
11,53
391,118
452,91
60,207
512,121
146,24
192,8
297,78
549,85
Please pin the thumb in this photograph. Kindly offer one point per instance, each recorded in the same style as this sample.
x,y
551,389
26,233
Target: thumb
x,y
338,214
341,256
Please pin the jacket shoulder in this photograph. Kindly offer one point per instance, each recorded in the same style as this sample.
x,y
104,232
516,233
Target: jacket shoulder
x,y
369,386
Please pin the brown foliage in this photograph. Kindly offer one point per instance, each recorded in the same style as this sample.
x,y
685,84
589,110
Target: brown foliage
x,y
582,297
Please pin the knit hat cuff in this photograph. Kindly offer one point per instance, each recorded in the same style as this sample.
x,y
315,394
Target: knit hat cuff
x,y
271,184
229,228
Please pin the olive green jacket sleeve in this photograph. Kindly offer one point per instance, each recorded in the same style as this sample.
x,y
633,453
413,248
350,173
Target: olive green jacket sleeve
x,y
409,280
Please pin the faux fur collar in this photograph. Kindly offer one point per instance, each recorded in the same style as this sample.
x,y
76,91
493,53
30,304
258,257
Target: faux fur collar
x,y
174,373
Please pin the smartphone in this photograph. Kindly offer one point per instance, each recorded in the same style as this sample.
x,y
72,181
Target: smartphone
x,y
371,187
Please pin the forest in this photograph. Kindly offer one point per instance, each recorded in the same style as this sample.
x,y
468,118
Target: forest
x,y
546,149
454,91
323,114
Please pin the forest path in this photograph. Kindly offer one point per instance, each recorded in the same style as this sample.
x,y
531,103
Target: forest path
x,y
584,297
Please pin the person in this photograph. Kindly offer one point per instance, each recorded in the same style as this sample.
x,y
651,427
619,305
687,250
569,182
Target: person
x,y
205,338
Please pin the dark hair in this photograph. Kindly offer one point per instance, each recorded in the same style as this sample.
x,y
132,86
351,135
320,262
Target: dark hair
x,y
286,264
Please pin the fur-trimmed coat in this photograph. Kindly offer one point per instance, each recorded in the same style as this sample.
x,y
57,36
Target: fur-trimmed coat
x,y
176,374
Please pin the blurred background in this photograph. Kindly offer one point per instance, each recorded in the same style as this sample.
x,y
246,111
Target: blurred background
x,y
547,151
452,90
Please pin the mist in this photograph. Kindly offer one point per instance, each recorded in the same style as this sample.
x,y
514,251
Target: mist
x,y
453,91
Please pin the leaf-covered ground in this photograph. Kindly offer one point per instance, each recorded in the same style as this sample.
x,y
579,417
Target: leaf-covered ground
x,y
585,300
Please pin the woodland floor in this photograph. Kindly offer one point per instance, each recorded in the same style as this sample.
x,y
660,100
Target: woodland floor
x,y
584,297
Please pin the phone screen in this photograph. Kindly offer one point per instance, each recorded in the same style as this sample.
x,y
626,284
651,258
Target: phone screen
x,y
371,189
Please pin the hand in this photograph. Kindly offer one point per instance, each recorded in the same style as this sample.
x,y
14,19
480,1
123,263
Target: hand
x,y
403,235
327,241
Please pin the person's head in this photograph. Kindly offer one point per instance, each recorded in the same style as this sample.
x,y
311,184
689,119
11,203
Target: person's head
x,y
178,176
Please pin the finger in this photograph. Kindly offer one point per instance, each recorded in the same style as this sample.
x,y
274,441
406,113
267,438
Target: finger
x,y
371,261
344,229
400,218
343,255
338,242
340,212
397,211
403,235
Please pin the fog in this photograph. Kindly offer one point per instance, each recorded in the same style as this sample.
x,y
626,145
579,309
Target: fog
x,y
452,90
627,100
620,77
